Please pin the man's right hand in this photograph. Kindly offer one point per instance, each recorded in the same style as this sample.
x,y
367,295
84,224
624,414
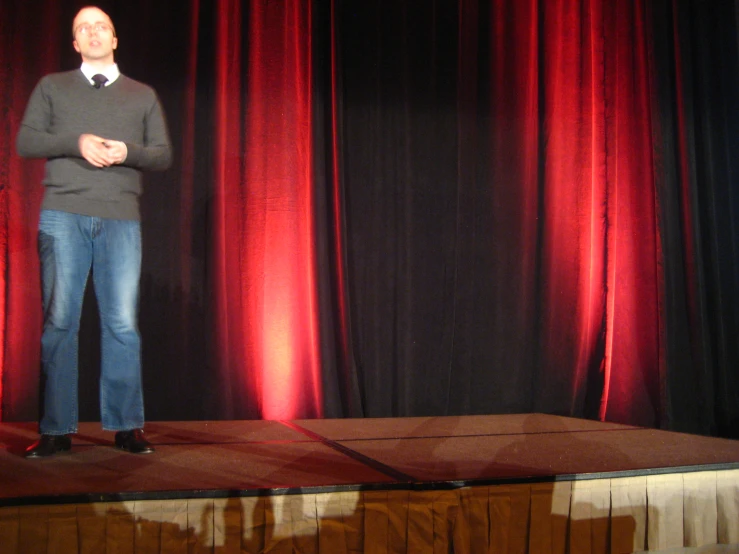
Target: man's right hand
x,y
93,149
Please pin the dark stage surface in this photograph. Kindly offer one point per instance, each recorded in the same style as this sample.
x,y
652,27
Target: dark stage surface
x,y
243,458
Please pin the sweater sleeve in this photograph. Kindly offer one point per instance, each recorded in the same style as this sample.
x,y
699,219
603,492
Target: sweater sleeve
x,y
156,152
34,139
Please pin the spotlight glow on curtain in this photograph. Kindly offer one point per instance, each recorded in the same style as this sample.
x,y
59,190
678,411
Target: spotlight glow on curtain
x,y
600,258
264,209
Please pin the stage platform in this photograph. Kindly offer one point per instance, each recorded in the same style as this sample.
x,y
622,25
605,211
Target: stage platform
x,y
475,484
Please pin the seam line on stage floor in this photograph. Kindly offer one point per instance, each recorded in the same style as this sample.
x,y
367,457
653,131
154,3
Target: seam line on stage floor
x,y
312,436
473,435
353,454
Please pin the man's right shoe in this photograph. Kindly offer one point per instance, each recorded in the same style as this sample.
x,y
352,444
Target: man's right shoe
x,y
48,445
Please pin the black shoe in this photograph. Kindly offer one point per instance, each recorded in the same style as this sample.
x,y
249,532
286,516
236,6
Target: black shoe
x,y
48,445
133,441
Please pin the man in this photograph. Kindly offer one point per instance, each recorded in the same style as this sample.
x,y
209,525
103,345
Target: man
x,y
97,130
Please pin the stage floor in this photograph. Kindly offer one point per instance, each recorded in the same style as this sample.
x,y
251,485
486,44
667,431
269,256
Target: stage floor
x,y
255,458
505,483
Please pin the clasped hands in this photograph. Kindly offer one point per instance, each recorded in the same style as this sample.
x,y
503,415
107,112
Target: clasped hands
x,y
102,152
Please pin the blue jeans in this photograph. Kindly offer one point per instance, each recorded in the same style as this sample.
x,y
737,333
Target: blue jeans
x,y
69,245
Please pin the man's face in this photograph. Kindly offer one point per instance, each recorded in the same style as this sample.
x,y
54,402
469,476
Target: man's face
x,y
94,36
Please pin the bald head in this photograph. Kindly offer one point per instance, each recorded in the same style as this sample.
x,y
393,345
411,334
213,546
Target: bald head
x,y
91,13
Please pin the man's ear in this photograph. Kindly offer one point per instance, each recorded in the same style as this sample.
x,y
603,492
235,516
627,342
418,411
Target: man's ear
x,y
76,46
115,43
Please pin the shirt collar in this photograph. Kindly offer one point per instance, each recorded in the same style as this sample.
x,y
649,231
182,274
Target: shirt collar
x,y
111,72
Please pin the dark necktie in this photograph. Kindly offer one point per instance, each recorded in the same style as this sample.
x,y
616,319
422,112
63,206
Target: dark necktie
x,y
99,79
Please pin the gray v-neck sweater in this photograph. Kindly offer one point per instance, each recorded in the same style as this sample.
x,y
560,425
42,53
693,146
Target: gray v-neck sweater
x,y
64,106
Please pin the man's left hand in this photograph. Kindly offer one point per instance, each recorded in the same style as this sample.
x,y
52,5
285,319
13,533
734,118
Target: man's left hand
x,y
116,151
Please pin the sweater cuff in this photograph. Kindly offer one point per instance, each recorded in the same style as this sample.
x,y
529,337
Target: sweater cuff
x,y
70,145
133,158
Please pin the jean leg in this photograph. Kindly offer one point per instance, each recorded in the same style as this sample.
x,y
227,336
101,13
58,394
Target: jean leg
x,y
116,274
65,253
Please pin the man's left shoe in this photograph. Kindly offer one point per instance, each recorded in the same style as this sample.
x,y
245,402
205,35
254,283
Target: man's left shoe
x,y
133,441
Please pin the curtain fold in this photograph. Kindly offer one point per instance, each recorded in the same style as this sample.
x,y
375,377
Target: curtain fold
x,y
227,224
340,384
573,221
632,328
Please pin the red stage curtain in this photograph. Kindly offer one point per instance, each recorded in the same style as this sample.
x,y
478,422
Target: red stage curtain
x,y
599,256
572,136
396,208
264,228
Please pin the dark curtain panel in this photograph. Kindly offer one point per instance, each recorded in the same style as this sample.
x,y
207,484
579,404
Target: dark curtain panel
x,y
696,134
500,209
412,208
